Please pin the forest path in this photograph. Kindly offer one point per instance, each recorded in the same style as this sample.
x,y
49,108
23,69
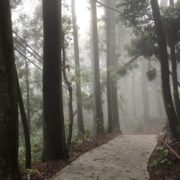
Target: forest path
x,y
123,158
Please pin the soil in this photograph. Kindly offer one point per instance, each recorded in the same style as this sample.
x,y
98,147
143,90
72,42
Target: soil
x,y
46,170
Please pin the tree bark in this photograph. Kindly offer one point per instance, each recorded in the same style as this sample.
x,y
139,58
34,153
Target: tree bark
x,y
25,127
8,99
175,80
172,44
53,124
145,96
28,96
170,111
112,94
134,115
109,101
80,120
108,75
70,103
98,111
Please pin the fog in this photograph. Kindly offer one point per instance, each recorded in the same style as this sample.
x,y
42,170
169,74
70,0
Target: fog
x,y
140,101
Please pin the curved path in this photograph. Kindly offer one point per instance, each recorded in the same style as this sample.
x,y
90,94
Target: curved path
x,y
123,158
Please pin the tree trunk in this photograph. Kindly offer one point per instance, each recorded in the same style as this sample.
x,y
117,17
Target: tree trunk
x,y
97,88
53,124
80,121
145,96
109,101
25,127
8,99
112,94
108,75
175,80
170,111
70,104
134,115
27,94
174,67
158,96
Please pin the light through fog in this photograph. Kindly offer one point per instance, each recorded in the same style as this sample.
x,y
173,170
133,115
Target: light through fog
x,y
82,12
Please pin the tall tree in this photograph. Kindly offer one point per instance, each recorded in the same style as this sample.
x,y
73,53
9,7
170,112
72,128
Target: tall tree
x,y
80,121
8,99
25,127
172,40
28,94
98,111
171,114
134,109
145,95
70,92
112,94
53,124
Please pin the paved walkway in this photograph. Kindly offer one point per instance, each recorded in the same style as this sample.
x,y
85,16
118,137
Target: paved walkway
x,y
123,158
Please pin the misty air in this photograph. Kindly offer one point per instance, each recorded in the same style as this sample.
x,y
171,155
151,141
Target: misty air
x,y
89,89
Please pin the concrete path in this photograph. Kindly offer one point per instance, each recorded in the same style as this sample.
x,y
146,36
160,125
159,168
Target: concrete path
x,y
123,158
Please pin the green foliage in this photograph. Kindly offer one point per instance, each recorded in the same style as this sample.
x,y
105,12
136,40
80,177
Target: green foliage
x,y
151,74
79,138
140,45
171,19
86,86
21,153
67,29
123,72
162,157
136,13
31,172
87,101
36,149
36,144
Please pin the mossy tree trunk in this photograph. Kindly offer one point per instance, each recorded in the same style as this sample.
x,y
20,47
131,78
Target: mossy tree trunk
x,y
8,99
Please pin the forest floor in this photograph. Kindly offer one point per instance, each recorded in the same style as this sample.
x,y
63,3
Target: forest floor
x,y
123,158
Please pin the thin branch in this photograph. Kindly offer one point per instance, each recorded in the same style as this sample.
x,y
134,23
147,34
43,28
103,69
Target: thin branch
x,y
125,66
108,7
170,148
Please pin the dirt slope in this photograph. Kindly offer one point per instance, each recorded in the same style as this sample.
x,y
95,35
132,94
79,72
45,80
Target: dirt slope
x,y
123,158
